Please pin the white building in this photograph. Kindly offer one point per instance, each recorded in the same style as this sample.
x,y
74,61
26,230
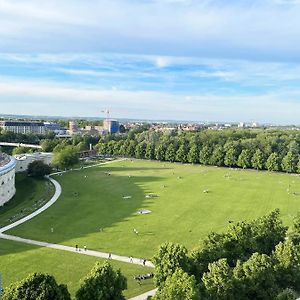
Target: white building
x,y
24,127
7,178
23,160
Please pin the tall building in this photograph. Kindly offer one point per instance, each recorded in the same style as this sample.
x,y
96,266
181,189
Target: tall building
x,y
23,126
73,129
112,126
7,178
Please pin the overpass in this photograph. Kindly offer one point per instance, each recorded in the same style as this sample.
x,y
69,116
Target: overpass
x,y
20,145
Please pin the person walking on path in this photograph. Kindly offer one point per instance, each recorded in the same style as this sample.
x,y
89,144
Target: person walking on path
x,y
84,247
76,247
131,259
109,255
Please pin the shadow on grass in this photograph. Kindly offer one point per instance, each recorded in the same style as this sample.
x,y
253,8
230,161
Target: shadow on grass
x,y
91,202
31,193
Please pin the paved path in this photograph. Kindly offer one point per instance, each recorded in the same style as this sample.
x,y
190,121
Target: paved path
x,y
40,210
91,166
145,295
20,145
126,259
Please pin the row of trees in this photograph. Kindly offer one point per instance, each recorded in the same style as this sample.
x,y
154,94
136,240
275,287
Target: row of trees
x,y
103,283
271,150
252,260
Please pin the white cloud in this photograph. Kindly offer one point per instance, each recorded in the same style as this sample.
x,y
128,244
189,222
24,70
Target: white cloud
x,y
36,97
253,29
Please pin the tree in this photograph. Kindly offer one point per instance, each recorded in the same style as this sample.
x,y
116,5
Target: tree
x,y
160,152
181,154
257,278
178,286
193,155
289,163
287,294
21,150
140,150
298,166
218,281
217,157
131,149
150,151
38,169
102,283
257,160
102,148
268,231
65,158
287,262
230,158
244,159
169,257
204,155
272,163
37,286
170,153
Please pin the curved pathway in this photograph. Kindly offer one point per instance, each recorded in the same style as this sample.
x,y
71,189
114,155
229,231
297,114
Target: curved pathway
x,y
40,210
58,190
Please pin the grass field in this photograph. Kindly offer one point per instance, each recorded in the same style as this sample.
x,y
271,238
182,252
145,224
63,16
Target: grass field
x,y
18,260
91,199
30,194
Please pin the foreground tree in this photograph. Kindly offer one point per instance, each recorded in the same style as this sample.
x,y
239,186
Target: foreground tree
x,y
169,257
218,281
178,286
38,169
37,286
102,283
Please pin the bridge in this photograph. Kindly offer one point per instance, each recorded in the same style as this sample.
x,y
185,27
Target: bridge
x,y
20,145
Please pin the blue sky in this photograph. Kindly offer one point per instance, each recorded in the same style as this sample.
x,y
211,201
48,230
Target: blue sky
x,y
198,60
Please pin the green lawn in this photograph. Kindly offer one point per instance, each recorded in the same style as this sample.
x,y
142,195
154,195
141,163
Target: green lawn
x,y
18,260
182,212
30,195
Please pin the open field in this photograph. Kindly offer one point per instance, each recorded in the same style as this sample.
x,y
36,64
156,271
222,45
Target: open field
x,y
18,260
30,195
93,212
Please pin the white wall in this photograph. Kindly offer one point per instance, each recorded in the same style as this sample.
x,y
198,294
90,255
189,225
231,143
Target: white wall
x,y
7,186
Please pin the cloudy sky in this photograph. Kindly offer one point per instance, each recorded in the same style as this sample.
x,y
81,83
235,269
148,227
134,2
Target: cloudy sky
x,y
202,60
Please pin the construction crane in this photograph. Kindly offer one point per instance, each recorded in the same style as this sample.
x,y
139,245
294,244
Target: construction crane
x,y
106,111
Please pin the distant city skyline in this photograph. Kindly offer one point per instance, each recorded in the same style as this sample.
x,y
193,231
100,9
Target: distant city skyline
x,y
207,60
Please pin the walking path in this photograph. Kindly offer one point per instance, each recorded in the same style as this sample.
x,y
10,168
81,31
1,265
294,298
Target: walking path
x,y
126,259
91,166
145,295
136,261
